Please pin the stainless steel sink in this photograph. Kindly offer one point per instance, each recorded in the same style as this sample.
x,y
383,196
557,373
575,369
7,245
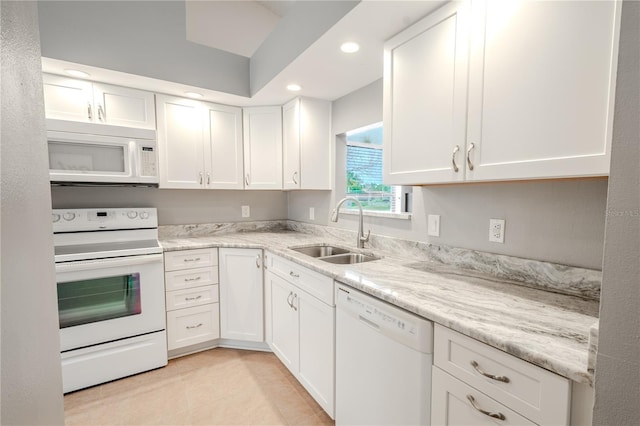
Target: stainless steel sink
x,y
320,251
349,258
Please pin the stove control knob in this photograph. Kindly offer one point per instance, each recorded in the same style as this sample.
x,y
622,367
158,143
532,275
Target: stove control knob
x,y
69,216
55,217
132,214
144,215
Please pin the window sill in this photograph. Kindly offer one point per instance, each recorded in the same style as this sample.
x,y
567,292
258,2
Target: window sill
x,y
388,215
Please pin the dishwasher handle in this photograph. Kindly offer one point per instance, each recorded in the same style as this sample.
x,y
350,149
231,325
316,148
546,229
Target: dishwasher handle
x,y
369,322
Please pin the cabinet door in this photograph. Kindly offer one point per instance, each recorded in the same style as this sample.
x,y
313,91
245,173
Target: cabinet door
x,y
541,88
223,147
122,106
315,144
263,147
452,404
180,142
425,73
284,323
291,144
241,294
68,99
317,348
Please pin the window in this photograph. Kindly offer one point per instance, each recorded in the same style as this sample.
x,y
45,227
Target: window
x,y
364,172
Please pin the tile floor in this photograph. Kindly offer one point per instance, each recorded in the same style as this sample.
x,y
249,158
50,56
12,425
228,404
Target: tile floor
x,y
215,387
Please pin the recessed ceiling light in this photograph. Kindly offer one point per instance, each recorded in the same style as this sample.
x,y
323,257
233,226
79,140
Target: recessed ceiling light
x,y
76,73
294,87
194,95
350,47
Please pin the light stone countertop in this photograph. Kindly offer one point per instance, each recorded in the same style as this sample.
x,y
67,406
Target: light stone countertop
x,y
547,329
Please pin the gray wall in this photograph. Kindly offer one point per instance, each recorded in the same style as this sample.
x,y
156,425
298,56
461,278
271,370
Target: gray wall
x,y
557,221
146,38
31,383
617,380
179,206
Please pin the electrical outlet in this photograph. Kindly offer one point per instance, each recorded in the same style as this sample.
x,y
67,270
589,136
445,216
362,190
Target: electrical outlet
x,y
433,225
312,213
246,211
496,230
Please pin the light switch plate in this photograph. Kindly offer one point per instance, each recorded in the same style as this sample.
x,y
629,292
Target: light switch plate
x,y
496,230
246,211
433,225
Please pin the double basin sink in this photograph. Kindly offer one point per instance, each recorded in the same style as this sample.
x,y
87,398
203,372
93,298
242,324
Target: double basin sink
x,y
335,255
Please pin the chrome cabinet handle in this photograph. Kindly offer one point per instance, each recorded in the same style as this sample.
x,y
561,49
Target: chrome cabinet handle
x,y
295,297
192,259
189,327
294,275
89,111
469,163
192,298
294,178
265,261
258,261
503,379
289,299
498,416
246,179
208,178
192,279
101,115
453,158
201,178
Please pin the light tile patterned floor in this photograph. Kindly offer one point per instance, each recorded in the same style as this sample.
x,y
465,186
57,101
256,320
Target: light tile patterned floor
x,y
215,387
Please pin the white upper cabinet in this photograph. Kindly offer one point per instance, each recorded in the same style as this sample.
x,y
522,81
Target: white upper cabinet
x,y
223,147
81,100
200,144
540,90
262,147
307,144
425,78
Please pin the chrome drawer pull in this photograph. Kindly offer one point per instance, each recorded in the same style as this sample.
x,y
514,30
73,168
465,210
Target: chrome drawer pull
x,y
192,259
294,275
189,327
192,279
498,416
469,163
503,379
192,298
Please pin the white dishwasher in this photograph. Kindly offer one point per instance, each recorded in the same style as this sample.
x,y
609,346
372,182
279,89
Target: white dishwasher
x,y
383,362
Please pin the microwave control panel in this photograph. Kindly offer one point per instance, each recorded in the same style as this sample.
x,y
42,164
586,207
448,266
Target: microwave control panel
x,y
148,161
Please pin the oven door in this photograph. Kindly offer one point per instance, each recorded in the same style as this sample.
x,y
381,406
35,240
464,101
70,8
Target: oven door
x,y
109,299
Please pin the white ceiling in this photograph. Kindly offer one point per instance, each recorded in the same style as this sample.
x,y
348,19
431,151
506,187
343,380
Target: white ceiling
x,y
322,70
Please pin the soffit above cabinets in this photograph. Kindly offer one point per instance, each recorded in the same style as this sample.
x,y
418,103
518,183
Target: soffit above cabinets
x,y
320,68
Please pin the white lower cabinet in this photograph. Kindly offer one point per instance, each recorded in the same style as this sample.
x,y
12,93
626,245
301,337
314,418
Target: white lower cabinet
x,y
191,282
301,327
474,383
241,294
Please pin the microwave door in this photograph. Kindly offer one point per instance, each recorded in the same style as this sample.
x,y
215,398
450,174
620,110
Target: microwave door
x,y
89,158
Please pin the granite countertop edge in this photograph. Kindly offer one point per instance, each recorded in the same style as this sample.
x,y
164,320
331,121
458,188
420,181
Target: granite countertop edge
x,y
518,320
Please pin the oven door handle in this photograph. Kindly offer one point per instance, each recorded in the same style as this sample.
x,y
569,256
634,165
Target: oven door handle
x,y
83,265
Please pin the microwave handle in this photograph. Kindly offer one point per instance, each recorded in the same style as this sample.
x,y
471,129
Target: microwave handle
x,y
84,265
134,156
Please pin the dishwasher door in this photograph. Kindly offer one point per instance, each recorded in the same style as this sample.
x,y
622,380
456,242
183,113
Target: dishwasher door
x,y
383,362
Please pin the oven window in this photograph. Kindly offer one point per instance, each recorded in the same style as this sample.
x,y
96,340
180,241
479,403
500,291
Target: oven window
x,y
99,299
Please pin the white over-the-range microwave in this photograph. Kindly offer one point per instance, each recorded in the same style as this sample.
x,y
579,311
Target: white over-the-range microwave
x,y
100,154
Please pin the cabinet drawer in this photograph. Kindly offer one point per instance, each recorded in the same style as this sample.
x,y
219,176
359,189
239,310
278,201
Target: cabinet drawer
x,y
314,283
452,403
184,259
534,392
188,278
193,325
191,297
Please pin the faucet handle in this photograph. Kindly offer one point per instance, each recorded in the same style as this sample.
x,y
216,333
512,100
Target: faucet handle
x,y
365,239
